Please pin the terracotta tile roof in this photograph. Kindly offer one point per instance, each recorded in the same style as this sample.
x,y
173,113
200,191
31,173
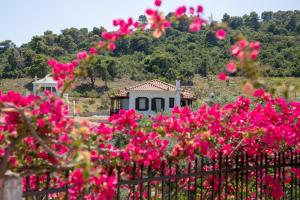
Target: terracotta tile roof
x,y
153,85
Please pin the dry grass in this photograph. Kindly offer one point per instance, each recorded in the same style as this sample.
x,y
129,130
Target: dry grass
x,y
22,85
202,87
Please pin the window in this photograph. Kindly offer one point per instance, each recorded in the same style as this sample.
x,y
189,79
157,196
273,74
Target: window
x,y
124,104
171,102
183,103
141,103
158,104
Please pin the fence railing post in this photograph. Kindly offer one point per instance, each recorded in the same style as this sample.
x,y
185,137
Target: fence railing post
x,y
11,187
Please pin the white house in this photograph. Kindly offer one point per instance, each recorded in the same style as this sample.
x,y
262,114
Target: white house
x,y
151,97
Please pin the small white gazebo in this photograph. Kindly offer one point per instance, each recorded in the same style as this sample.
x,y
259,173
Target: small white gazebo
x,y
47,83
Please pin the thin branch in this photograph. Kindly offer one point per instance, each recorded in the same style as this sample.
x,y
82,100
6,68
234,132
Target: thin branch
x,y
107,150
4,161
237,146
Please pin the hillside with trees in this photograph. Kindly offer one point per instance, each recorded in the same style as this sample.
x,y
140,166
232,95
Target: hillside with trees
x,y
179,54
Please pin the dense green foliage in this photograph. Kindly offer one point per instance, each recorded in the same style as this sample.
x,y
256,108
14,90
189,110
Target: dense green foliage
x,y
179,54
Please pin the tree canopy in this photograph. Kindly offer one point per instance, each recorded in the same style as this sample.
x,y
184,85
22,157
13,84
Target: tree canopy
x,y
179,54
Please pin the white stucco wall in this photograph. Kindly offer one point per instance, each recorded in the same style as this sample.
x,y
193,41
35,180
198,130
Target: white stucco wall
x,y
150,94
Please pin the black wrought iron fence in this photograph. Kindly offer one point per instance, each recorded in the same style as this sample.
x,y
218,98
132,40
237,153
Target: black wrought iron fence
x,y
50,185
224,177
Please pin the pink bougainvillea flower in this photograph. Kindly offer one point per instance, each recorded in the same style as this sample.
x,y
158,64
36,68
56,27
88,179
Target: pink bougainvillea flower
x,y
111,46
274,187
157,22
261,93
105,35
255,45
254,54
93,50
2,137
191,10
199,9
77,179
136,24
243,43
75,62
196,24
221,34
63,71
150,11
129,22
231,67
101,44
242,55
166,24
235,50
41,122
117,22
180,11
52,62
82,55
226,149
223,76
157,3
110,36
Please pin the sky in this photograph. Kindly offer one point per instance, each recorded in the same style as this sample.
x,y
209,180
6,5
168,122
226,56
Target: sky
x,y
20,20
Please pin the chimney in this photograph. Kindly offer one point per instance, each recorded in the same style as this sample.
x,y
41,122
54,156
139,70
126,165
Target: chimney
x,y
177,94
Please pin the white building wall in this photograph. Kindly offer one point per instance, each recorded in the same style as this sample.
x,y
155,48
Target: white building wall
x,y
150,94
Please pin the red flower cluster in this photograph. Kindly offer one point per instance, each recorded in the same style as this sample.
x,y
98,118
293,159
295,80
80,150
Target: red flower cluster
x,y
242,47
270,125
157,22
273,187
197,21
40,118
221,34
180,11
157,3
243,50
64,71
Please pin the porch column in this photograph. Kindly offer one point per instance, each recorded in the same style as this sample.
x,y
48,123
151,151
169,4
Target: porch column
x,y
177,94
119,104
111,106
150,104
